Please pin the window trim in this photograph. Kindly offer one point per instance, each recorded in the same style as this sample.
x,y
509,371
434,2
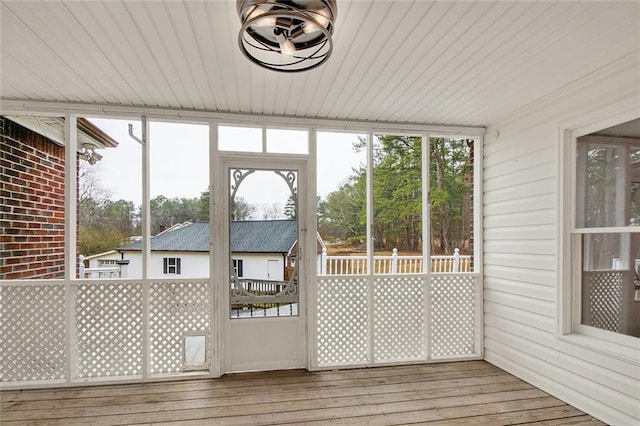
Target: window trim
x,y
569,327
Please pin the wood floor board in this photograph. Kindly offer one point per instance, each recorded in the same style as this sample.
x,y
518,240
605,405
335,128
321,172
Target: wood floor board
x,y
583,420
221,387
296,413
424,415
481,384
293,402
296,377
453,393
561,412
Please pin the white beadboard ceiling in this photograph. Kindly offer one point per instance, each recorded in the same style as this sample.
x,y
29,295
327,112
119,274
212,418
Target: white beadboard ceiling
x,y
422,62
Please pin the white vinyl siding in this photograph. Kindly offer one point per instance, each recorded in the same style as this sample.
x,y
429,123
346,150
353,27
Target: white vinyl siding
x,y
192,264
522,244
196,264
255,265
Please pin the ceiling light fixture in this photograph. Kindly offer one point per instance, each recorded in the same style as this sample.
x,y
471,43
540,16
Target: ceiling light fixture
x,y
287,35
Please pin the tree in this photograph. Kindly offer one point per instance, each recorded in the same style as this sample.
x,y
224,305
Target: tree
x,y
397,193
344,211
398,197
103,224
98,240
91,196
203,204
451,194
166,212
271,211
241,209
290,208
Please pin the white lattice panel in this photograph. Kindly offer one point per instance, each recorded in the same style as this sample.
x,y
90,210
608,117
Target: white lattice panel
x,y
398,318
32,332
605,300
108,321
175,308
452,314
343,321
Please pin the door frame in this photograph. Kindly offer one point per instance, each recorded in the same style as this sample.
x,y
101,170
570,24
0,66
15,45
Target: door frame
x,y
224,161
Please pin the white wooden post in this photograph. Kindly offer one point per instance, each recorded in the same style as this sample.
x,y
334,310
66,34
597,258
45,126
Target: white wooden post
x,y
124,266
456,260
323,261
81,266
394,261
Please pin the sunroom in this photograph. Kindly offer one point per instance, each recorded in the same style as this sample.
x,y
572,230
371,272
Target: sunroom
x,y
450,182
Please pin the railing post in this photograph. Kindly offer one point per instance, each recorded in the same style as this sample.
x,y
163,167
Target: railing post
x,y
124,265
394,261
456,260
81,267
323,261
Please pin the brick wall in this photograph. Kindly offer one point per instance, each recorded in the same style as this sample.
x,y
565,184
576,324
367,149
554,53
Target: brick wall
x,y
32,209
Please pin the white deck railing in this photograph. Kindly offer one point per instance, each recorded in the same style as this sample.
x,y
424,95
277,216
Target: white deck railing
x,y
75,332
100,272
394,264
113,270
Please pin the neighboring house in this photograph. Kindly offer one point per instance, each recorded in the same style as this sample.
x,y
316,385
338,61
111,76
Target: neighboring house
x,y
32,155
261,249
103,265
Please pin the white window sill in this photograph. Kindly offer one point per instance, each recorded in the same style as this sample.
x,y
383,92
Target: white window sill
x,y
623,352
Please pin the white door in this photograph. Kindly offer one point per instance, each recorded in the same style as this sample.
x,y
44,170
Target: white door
x,y
265,312
274,270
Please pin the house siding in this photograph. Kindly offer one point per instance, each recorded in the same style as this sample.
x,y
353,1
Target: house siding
x,y
196,264
192,264
32,225
521,197
256,266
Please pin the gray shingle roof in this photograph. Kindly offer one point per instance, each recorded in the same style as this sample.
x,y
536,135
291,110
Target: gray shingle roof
x,y
263,236
259,236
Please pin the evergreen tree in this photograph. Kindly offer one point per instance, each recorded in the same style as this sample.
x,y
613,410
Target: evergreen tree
x,y
398,196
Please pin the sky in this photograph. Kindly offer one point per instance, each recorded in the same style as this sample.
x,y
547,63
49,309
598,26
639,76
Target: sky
x,y
179,155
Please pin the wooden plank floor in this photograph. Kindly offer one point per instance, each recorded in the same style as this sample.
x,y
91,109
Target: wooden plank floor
x,y
451,393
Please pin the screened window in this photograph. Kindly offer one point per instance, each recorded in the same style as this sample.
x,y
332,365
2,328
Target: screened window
x,y
393,204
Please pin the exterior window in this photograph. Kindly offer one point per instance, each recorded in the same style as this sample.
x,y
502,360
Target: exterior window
x,y
237,267
606,238
171,265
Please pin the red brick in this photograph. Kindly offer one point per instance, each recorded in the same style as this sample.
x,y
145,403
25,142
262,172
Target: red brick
x,y
34,171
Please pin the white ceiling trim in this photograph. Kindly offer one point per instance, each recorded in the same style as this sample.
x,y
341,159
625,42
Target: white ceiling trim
x,y
17,107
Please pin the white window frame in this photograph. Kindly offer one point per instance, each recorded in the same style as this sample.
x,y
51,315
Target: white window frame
x,y
264,148
570,329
